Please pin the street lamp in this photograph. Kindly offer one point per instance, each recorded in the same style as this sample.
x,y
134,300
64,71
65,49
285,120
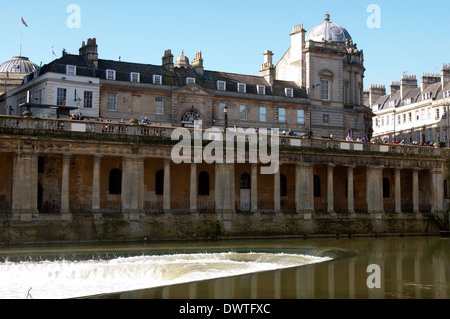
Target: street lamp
x,y
225,111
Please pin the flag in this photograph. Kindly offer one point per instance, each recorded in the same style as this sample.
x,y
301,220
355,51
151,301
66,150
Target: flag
x,y
23,21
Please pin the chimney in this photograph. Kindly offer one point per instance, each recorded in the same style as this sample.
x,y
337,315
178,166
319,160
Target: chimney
x,y
197,63
90,51
167,60
445,76
394,88
429,78
407,83
297,55
375,92
267,70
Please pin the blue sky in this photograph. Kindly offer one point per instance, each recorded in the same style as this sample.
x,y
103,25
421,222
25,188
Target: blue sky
x,y
412,38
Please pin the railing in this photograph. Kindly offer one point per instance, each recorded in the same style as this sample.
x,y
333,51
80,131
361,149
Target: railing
x,y
66,127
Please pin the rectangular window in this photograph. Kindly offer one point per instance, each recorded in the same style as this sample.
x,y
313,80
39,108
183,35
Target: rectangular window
x,y
429,134
446,94
243,113
423,115
159,105
242,87
110,74
261,89
39,96
325,90
61,97
157,79
190,81
88,98
392,103
426,96
438,135
438,114
71,70
417,116
404,118
289,92
262,114
399,119
387,119
221,85
281,115
300,117
112,102
410,117
135,77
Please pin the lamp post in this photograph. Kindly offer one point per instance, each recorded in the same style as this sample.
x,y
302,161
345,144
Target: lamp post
x,y
225,111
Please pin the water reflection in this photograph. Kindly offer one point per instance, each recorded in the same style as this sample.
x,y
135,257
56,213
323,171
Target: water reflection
x,y
411,268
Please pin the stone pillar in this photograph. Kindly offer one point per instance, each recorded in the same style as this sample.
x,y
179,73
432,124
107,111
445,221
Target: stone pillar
x,y
166,202
133,187
437,201
374,189
65,186
193,189
330,188
254,189
415,190
96,199
350,190
25,184
304,190
398,192
276,192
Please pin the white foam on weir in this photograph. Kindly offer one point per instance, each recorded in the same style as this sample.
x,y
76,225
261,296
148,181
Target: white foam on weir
x,y
72,279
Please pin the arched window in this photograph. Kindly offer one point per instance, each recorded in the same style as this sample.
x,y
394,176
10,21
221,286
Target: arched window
x,y
316,186
283,186
386,187
245,181
159,182
115,182
203,184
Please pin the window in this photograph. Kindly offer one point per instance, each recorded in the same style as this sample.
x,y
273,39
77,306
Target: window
x,y
404,118
112,102
446,94
325,90
71,70
281,115
382,121
392,103
423,115
438,114
262,114
203,184
386,187
426,96
159,105
261,89
243,112
61,97
245,181
289,92
429,134
316,186
221,85
135,77
115,182
221,110
417,116
445,135
387,119
283,185
410,117
399,119
38,98
242,87
438,135
190,81
88,98
157,79
110,74
300,117
159,183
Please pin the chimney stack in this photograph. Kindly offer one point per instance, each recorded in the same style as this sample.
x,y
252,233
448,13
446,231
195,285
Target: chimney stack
x,y
429,78
90,51
197,63
394,88
167,60
407,83
445,76
267,69
375,92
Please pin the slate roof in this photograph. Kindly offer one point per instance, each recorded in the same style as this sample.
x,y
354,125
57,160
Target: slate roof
x,y
176,78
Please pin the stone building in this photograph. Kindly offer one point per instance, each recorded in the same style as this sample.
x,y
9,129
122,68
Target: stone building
x,y
410,112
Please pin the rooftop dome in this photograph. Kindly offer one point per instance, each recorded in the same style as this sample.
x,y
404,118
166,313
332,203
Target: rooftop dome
x,y
182,61
328,32
19,65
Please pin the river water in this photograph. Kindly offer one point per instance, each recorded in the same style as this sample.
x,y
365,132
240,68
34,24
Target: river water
x,y
358,268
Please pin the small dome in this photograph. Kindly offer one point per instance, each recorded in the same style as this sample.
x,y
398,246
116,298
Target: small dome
x,y
328,32
19,65
182,61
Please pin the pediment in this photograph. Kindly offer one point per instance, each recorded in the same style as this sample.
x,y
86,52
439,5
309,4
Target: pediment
x,y
193,89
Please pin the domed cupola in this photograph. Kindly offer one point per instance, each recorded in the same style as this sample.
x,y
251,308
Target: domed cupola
x,y
328,32
18,65
182,61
